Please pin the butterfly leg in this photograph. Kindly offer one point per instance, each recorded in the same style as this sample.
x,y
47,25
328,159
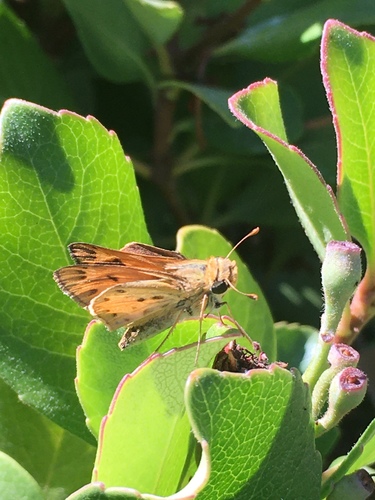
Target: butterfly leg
x,y
201,317
170,330
129,336
242,331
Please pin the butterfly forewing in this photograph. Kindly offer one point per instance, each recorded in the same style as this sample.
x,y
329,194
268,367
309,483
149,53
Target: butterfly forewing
x,y
132,255
100,268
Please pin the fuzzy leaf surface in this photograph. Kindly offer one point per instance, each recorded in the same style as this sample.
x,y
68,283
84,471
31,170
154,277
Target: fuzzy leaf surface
x,y
348,67
258,107
258,426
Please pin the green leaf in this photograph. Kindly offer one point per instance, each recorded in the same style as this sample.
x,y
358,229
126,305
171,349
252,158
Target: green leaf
x,y
216,99
25,70
366,445
258,108
15,482
199,242
348,67
114,42
286,36
101,364
145,440
57,460
295,343
236,142
256,434
158,18
63,178
361,455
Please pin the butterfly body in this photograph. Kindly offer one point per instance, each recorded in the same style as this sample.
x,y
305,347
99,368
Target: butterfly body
x,y
144,288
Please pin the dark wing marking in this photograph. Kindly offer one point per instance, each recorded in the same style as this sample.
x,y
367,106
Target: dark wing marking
x,y
133,254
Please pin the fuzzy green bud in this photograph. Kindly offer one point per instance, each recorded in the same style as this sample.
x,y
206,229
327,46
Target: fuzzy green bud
x,y
340,356
341,272
358,485
347,390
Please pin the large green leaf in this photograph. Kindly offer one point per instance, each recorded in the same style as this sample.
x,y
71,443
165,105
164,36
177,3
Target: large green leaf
x,y
59,461
258,107
256,433
101,364
63,178
15,482
159,19
215,98
285,36
114,42
348,67
25,70
145,440
361,455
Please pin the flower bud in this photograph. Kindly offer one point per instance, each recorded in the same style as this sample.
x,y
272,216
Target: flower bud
x,y
341,272
342,355
358,485
347,390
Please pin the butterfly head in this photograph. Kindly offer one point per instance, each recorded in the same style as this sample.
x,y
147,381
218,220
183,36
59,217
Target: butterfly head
x,y
221,274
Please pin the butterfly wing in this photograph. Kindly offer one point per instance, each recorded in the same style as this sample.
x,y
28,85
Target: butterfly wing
x,y
132,255
84,282
138,304
140,285
100,268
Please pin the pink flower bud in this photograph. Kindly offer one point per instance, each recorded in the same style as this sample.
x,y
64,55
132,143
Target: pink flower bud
x,y
342,355
347,390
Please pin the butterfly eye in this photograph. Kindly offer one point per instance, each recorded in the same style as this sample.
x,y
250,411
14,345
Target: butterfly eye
x,y
219,287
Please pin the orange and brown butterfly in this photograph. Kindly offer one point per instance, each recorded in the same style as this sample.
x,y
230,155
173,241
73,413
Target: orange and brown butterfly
x,y
144,288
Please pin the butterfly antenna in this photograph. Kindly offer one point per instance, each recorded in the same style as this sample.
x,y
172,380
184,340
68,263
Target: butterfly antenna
x,y
252,296
252,233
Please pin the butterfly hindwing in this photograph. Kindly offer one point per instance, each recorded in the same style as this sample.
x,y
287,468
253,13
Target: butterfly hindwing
x,y
135,303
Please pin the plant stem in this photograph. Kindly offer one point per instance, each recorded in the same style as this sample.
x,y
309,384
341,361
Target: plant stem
x,y
318,364
362,309
162,165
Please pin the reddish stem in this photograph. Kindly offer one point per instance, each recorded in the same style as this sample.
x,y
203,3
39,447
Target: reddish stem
x,y
362,310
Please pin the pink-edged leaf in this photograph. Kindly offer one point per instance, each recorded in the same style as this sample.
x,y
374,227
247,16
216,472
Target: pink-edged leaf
x,y
348,68
258,107
101,364
145,439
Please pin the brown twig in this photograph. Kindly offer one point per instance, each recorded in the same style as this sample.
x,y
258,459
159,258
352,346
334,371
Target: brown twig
x,y
217,33
188,62
162,166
